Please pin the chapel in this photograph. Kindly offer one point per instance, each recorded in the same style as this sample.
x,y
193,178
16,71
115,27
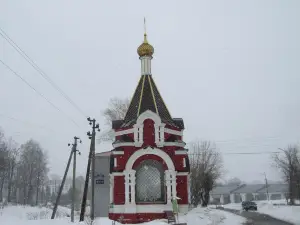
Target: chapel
x,y
149,165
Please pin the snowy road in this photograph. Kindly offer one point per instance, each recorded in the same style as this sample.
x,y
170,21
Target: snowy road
x,y
255,218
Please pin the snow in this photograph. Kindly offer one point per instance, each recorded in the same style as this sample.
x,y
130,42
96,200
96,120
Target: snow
x,y
275,208
15,215
210,216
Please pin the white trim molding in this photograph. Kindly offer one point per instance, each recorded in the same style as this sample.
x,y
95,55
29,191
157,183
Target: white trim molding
x,y
181,152
155,208
158,126
175,132
150,151
111,188
117,152
119,144
122,132
148,114
177,144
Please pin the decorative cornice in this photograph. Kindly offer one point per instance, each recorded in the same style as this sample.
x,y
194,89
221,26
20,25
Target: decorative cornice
x,y
120,144
175,132
118,152
181,152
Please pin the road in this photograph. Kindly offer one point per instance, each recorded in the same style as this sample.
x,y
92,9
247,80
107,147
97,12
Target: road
x,y
255,218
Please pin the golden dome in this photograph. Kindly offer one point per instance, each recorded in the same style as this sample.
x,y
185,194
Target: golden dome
x,y
145,49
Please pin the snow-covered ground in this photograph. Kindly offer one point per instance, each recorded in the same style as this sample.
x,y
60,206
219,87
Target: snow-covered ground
x,y
276,208
15,215
19,213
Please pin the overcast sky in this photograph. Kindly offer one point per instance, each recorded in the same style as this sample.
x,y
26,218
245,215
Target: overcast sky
x,y
229,68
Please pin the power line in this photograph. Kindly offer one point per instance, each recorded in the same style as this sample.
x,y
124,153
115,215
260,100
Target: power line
x,y
39,93
238,153
40,71
25,122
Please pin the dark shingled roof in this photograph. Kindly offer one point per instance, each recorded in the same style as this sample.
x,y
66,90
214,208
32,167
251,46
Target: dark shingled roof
x,y
117,124
179,122
147,97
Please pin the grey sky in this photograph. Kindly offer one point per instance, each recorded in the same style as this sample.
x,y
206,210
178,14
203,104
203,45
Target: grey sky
x,y
229,68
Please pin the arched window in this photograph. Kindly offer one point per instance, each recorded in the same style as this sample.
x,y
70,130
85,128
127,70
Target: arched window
x,y
150,182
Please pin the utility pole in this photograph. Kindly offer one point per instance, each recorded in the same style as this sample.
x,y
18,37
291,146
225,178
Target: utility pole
x,y
74,149
91,160
267,188
62,184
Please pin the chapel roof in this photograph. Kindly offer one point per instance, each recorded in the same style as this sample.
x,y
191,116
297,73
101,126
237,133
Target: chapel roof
x,y
147,97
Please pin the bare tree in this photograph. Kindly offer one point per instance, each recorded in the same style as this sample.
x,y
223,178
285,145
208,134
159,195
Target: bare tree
x,y
234,181
4,168
32,170
12,164
289,165
3,152
116,110
206,168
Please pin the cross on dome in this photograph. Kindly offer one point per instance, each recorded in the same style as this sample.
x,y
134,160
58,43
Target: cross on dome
x,y
145,49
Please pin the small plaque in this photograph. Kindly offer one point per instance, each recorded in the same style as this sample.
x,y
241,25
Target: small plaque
x,y
99,181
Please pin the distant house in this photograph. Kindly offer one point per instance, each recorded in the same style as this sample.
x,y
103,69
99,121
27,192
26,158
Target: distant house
x,y
54,185
247,192
275,191
221,194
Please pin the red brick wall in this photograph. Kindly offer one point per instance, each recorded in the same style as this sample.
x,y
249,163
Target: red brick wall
x,y
119,190
149,133
181,189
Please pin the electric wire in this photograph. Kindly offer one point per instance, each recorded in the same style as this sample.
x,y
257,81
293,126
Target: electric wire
x,y
236,153
40,71
26,122
222,153
39,93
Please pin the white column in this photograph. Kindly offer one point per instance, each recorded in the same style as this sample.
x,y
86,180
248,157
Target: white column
x,y
138,134
146,65
173,183
156,128
159,134
232,198
162,133
111,188
243,195
168,185
141,134
222,199
135,131
126,176
132,186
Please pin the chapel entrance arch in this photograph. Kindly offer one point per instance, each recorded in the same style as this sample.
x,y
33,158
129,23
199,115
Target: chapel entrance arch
x,y
150,187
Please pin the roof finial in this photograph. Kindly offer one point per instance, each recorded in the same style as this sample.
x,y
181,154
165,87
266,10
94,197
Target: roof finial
x,y
145,31
145,49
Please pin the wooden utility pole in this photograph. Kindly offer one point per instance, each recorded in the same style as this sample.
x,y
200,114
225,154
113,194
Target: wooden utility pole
x,y
267,188
91,160
62,185
74,149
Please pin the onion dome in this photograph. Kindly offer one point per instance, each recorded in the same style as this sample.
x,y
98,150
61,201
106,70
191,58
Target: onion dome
x,y
145,49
